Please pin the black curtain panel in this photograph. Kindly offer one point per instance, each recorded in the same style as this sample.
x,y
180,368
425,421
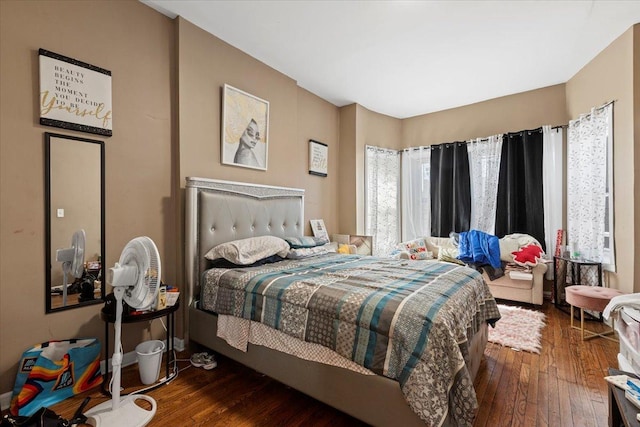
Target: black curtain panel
x,y
520,207
450,189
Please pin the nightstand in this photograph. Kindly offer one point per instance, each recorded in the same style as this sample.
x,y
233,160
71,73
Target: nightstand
x,y
621,411
169,312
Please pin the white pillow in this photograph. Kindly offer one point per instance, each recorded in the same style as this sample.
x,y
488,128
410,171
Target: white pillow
x,y
512,243
249,251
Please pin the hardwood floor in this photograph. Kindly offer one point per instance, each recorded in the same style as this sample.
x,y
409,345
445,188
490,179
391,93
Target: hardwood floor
x,y
563,386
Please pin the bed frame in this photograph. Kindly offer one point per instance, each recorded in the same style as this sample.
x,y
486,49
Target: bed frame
x,y
221,211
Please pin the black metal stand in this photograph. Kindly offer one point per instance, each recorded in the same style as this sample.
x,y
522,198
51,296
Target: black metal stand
x,y
109,317
564,267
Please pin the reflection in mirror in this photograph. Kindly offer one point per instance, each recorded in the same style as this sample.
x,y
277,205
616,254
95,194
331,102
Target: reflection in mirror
x,y
75,220
72,260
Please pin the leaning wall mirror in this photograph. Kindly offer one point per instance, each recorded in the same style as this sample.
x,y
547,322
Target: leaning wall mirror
x,y
74,248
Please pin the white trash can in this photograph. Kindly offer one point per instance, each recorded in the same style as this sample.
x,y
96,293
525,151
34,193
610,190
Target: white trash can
x,y
149,360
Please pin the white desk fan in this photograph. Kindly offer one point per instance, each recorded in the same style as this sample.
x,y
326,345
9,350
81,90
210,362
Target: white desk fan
x,y
72,260
136,280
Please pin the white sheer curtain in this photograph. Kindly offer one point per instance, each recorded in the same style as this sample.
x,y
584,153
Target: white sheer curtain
x,y
382,171
416,193
588,198
484,171
552,183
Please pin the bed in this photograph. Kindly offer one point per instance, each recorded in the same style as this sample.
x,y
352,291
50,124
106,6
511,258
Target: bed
x,y
362,385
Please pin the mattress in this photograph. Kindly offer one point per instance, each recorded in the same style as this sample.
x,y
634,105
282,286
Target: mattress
x,y
407,320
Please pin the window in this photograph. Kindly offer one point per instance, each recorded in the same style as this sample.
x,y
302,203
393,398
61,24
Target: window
x,y
382,217
590,186
416,193
608,255
484,171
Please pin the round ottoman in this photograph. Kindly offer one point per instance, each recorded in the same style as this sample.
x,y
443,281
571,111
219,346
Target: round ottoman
x,y
593,298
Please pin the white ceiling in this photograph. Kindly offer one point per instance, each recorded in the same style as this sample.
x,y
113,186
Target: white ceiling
x,y
406,58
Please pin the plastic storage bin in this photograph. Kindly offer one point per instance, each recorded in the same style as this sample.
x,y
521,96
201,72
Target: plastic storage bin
x,y
628,325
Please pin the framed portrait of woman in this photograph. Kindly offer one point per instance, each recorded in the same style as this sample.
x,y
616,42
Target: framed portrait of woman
x,y
245,129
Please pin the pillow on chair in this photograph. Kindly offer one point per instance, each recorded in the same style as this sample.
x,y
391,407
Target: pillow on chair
x,y
512,243
417,249
528,256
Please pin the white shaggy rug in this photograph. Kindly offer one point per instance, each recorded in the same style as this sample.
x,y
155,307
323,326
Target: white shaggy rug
x,y
518,328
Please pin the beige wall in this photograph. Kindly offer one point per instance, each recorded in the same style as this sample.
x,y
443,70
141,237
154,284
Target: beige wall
x,y
360,127
348,174
205,64
320,121
143,194
609,76
135,43
636,152
143,183
526,110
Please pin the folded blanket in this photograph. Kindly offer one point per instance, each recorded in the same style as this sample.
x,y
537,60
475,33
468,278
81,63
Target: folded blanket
x,y
616,303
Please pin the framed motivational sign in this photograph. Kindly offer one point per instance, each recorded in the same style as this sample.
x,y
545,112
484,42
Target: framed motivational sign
x,y
74,95
318,158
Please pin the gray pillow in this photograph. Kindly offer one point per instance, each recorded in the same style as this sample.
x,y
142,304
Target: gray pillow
x,y
305,241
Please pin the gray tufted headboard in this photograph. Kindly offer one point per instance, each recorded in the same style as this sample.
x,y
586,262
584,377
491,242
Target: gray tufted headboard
x,y
222,211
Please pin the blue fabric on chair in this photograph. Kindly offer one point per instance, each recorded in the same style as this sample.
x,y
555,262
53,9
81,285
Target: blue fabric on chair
x,y
480,248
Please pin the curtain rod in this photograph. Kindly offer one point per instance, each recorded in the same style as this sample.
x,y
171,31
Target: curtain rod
x,y
540,129
382,149
565,126
587,115
606,104
603,106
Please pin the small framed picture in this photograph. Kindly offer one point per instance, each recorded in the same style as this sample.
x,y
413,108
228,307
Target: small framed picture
x,y
318,228
245,129
318,158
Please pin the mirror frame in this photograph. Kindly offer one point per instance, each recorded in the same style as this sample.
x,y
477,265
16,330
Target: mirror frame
x,y
48,136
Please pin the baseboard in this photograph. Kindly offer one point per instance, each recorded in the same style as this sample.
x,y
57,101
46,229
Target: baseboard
x,y
5,401
128,359
131,358
178,344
